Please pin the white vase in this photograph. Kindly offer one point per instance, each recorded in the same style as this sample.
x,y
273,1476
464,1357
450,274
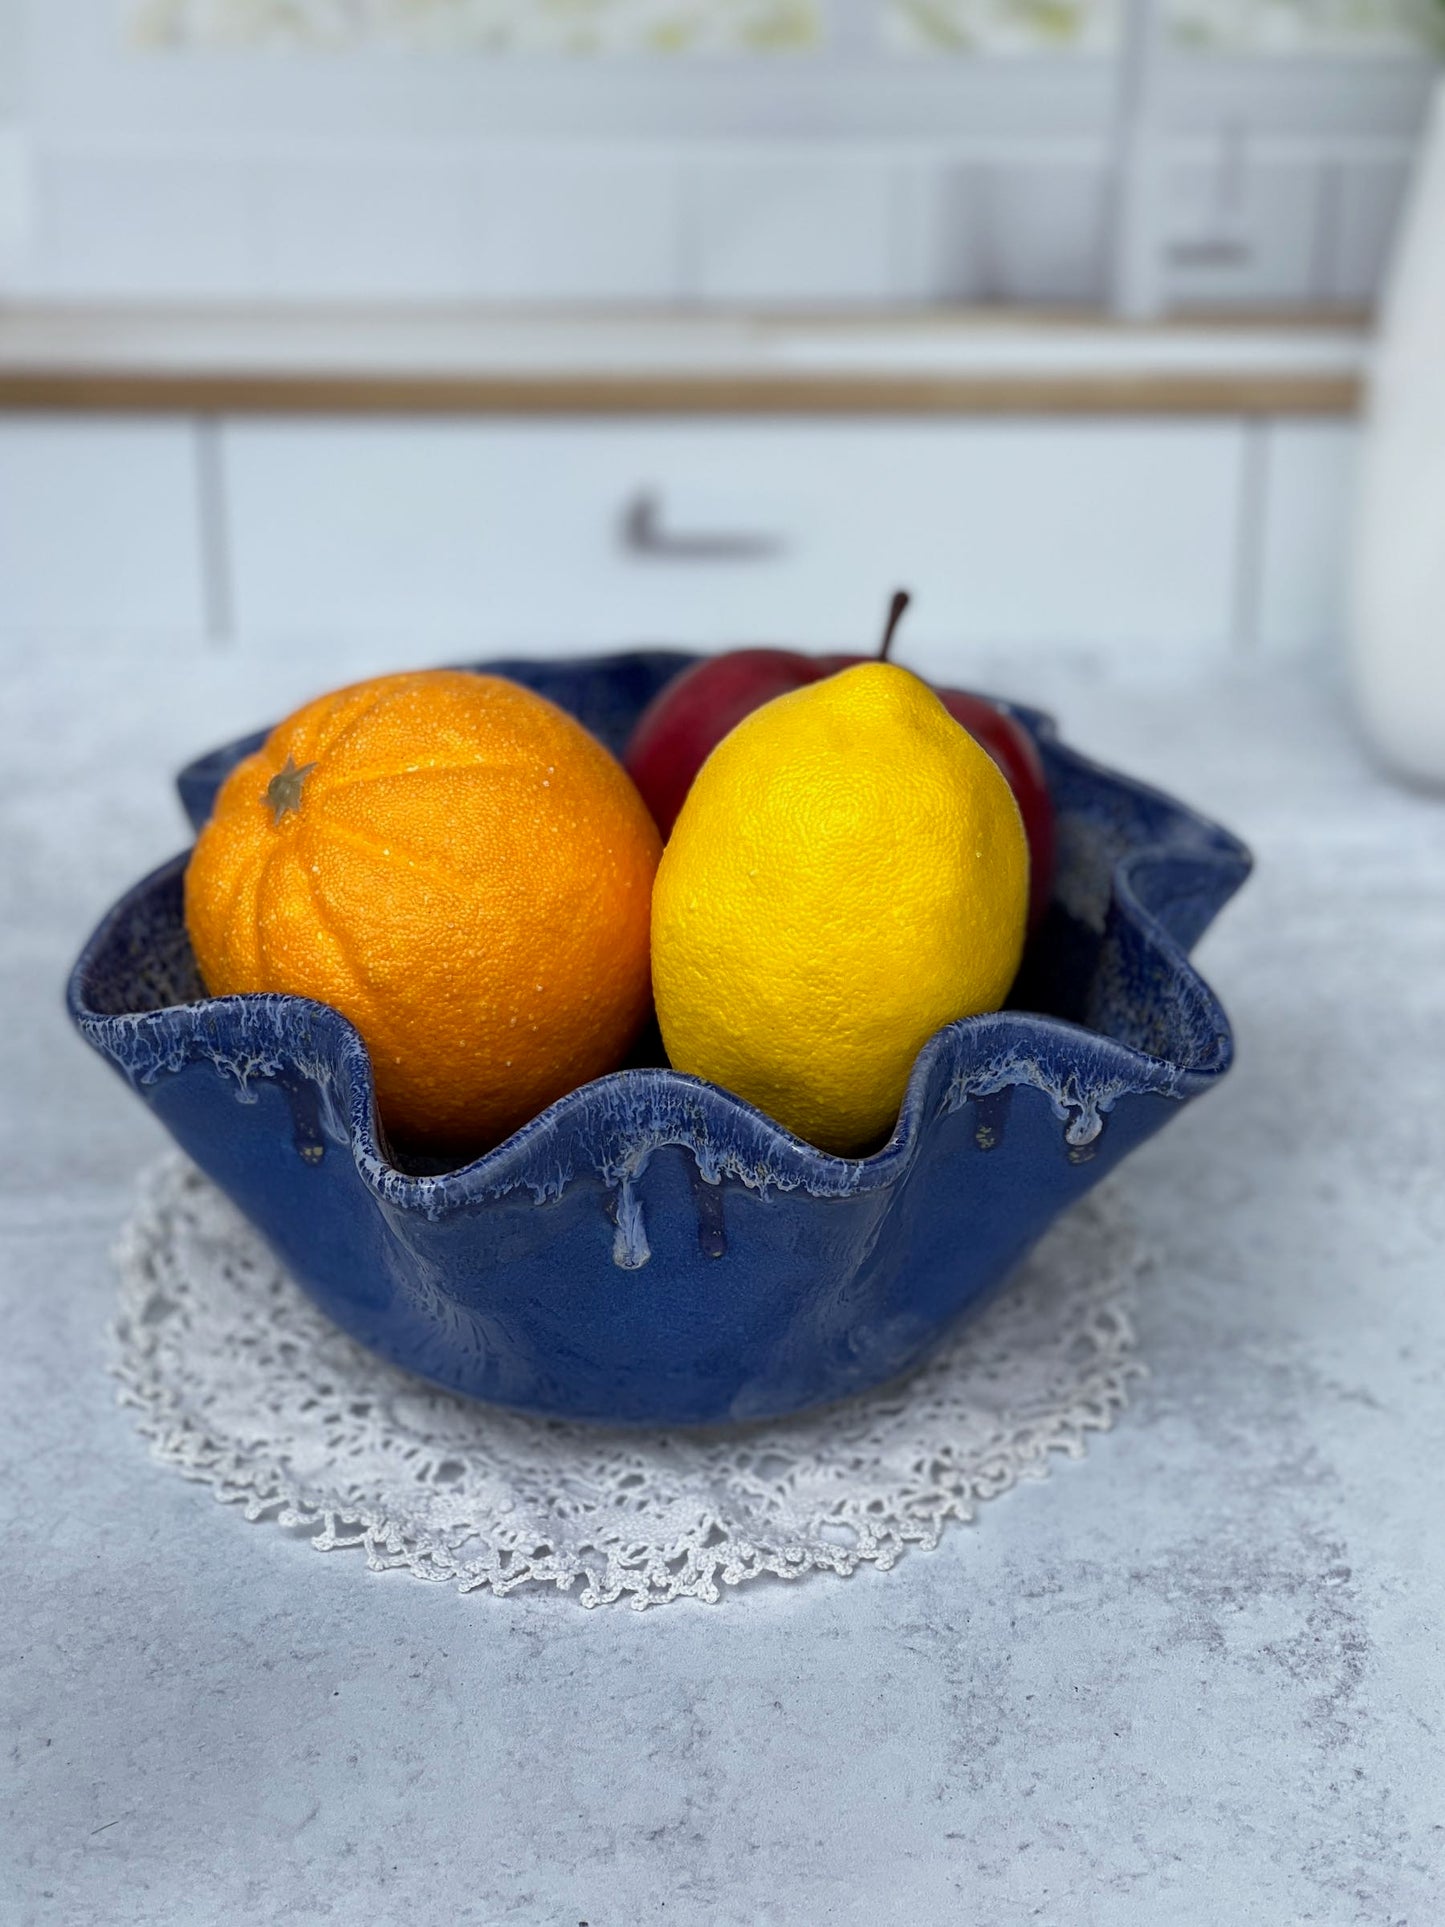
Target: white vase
x,y
1398,640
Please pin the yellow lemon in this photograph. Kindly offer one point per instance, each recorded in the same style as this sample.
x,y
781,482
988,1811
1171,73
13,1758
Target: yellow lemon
x,y
848,874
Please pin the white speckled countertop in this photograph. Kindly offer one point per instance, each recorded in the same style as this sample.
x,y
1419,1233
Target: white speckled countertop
x,y
1195,1678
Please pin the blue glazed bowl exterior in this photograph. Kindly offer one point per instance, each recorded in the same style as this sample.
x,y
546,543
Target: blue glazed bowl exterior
x,y
651,1250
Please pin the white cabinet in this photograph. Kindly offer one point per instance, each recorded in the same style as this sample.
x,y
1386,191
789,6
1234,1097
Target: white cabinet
x,y
99,526
1305,538
1117,537
368,543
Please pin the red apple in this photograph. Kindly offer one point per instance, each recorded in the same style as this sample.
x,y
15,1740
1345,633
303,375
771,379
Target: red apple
x,y
686,720
1014,750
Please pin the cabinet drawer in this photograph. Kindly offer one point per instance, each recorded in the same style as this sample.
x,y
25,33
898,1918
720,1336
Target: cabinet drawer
x,y
569,534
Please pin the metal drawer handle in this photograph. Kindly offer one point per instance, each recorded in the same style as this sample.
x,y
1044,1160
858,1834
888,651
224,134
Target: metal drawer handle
x,y
643,534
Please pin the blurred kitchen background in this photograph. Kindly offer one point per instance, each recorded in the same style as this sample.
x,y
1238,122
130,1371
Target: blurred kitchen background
x,y
355,333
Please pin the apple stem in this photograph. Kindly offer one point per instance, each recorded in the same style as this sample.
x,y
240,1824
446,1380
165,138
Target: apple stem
x,y
900,602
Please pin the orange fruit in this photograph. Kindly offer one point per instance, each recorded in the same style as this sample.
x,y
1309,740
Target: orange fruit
x,y
457,866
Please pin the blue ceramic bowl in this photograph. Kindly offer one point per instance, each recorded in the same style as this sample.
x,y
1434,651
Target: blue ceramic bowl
x,y
651,1249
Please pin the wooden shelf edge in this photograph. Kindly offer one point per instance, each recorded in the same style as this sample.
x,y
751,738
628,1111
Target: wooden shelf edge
x,y
127,391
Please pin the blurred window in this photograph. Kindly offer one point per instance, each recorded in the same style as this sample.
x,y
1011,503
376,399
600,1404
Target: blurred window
x,y
1152,155
545,27
761,27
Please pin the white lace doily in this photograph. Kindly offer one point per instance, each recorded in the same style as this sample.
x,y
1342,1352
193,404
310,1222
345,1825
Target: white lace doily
x,y
239,1381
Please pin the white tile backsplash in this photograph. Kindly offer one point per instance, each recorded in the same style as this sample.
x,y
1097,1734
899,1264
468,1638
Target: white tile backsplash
x,y
545,229
1041,233
17,201
364,228
988,232
99,526
790,230
772,227
1239,229
1369,195
143,229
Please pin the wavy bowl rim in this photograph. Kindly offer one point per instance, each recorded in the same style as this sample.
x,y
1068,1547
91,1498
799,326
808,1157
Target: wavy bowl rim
x,y
979,1055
